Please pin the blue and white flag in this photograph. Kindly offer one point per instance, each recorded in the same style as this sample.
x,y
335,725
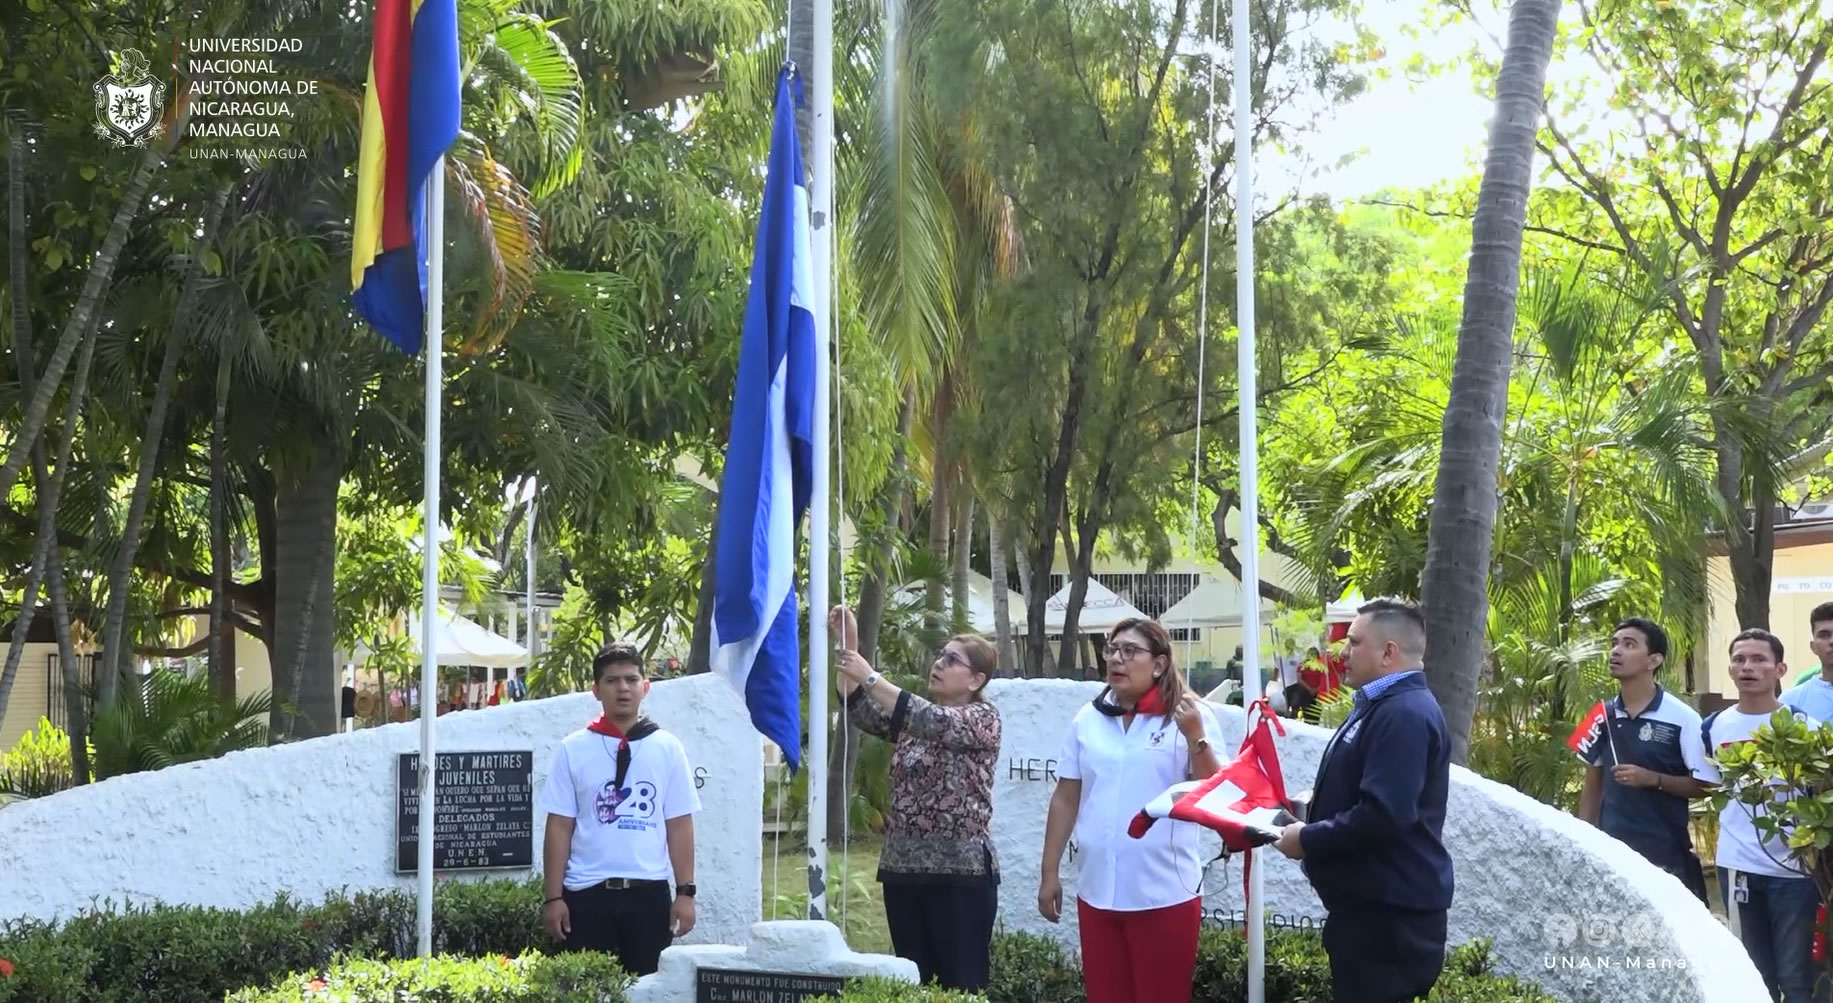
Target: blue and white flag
x,y
769,466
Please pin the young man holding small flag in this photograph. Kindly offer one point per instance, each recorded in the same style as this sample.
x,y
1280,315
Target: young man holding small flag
x,y
1642,765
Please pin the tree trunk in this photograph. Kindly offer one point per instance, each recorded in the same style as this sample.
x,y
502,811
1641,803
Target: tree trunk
x,y
964,551
114,632
700,642
1461,534
89,302
222,630
305,548
1751,560
843,753
935,593
1002,607
1023,566
76,709
50,481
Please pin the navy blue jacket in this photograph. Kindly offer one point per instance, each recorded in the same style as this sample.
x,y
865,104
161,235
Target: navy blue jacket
x,y
1377,817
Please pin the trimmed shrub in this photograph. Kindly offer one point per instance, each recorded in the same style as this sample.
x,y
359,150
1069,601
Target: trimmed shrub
x,y
185,954
532,978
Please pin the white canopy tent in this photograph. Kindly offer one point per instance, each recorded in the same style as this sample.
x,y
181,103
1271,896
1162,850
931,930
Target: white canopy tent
x,y
980,616
1344,609
1215,602
1101,610
461,641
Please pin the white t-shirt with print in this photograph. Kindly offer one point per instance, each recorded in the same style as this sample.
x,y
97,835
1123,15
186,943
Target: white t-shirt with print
x,y
619,833
1122,770
1740,846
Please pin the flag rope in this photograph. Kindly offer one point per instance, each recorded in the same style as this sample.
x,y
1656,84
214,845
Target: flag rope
x,y
1196,462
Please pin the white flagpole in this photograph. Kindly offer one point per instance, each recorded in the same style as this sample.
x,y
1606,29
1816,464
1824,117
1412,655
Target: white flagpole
x,y
429,557
821,207
1246,384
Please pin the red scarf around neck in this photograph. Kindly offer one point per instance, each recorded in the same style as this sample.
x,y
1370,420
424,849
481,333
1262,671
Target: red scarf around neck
x,y
1152,703
603,725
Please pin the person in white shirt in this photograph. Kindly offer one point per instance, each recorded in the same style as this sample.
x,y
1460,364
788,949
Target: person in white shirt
x,y
1139,901
1814,696
620,804
1771,900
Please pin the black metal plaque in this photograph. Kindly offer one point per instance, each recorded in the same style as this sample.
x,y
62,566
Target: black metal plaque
x,y
485,815
726,985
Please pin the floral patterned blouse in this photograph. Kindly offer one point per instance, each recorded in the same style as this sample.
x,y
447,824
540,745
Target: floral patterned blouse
x,y
941,787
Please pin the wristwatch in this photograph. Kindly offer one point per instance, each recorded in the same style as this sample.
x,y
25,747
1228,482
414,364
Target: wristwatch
x,y
687,890
870,681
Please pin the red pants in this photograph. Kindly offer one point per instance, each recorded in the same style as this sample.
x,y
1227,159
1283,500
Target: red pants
x,y
1139,957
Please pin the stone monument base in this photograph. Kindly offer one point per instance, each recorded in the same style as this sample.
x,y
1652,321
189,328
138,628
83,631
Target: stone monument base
x,y
782,960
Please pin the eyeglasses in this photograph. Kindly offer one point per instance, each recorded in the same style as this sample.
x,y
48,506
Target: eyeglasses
x,y
948,657
1126,651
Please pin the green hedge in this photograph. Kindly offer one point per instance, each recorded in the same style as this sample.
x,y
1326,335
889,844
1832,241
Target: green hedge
x,y
187,954
271,953
532,978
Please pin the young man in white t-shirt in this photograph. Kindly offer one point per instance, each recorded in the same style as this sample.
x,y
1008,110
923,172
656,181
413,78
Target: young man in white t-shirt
x,y
620,804
1771,900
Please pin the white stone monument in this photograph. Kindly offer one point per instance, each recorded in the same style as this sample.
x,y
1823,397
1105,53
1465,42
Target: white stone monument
x,y
781,956
1565,906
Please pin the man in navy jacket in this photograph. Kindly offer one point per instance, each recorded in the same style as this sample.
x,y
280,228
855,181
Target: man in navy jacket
x,y
1372,844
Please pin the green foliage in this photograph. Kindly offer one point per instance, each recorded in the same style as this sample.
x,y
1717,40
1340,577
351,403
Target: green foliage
x,y
167,954
1033,969
1783,780
165,718
898,991
531,978
39,764
183,954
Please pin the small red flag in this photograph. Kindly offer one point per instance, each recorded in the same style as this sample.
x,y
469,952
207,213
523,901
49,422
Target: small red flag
x,y
1588,732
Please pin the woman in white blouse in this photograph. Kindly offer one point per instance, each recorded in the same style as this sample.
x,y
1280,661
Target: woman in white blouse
x,y
1138,901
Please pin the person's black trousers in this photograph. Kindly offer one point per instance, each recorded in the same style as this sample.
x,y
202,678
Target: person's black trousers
x,y
629,923
947,929
1384,955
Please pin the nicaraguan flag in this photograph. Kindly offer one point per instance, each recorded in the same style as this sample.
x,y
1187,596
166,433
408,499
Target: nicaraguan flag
x,y
770,455
410,119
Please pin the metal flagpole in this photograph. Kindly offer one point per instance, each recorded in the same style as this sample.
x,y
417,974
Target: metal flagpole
x,y
434,348
821,231
1246,384
534,492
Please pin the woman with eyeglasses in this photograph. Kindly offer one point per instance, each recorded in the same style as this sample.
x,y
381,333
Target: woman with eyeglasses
x,y
938,870
1138,901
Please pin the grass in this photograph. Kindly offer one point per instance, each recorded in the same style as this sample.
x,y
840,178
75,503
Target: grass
x,y
854,900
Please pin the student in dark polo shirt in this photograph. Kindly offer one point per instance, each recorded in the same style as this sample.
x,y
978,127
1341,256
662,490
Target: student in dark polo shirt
x,y
1645,766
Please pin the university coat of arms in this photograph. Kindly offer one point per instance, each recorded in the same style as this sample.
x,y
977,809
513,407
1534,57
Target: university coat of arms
x,y
129,103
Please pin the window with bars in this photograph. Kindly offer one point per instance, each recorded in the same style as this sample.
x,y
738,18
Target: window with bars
x,y
1151,593
57,708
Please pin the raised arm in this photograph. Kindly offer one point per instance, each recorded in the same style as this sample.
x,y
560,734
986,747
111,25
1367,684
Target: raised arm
x,y
867,715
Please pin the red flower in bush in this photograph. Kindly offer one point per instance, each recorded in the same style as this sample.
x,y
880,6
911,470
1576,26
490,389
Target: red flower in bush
x,y
316,985
6,969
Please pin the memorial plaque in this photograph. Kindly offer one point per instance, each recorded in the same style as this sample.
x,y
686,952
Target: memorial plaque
x,y
485,815
726,985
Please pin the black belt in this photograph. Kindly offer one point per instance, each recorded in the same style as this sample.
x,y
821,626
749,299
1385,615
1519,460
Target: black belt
x,y
623,884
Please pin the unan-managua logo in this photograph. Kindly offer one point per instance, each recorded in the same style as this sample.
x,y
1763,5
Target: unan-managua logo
x,y
129,102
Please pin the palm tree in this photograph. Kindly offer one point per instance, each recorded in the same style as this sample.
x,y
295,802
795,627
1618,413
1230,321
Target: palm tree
x,y
1453,587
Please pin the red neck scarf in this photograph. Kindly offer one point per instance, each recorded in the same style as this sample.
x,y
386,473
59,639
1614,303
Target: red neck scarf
x,y
643,728
1152,703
